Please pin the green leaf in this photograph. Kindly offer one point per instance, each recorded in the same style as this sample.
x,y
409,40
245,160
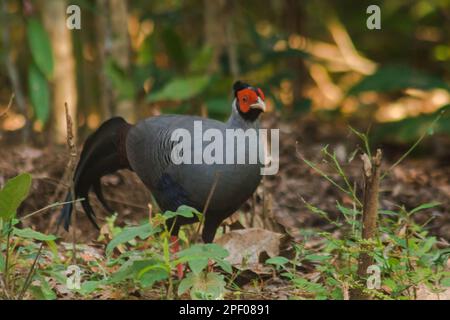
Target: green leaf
x,y
397,77
173,44
203,286
278,261
39,43
197,256
120,80
388,213
146,272
225,265
180,89
43,291
218,106
39,93
143,232
186,283
2,262
125,271
28,233
348,212
148,279
197,264
425,206
12,195
317,257
88,287
310,286
183,211
145,53
427,245
201,60
445,282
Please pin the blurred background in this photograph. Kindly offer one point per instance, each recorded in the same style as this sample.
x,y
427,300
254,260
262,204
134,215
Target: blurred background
x,y
319,65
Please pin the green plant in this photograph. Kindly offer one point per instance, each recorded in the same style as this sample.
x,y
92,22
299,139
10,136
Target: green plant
x,y
20,248
151,260
405,255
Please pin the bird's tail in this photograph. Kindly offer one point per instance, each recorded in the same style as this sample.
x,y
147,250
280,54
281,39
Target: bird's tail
x,y
104,152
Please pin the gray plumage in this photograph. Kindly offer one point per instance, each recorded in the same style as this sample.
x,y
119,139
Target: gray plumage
x,y
149,148
146,148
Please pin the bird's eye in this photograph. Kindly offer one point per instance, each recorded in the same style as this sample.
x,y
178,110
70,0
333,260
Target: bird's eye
x,y
245,99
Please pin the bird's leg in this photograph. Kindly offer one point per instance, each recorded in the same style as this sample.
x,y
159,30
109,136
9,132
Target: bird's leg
x,y
175,247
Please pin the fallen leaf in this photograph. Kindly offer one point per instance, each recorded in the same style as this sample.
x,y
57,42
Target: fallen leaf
x,y
245,247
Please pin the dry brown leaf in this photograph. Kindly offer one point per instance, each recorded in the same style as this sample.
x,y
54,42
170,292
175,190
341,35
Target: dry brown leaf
x,y
245,247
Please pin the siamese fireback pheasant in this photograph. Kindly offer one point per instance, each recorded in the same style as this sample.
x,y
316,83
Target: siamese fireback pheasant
x,y
146,149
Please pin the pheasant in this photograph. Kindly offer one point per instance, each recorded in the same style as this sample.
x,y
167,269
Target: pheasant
x,y
146,149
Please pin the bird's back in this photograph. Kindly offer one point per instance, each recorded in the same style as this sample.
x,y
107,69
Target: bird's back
x,y
149,149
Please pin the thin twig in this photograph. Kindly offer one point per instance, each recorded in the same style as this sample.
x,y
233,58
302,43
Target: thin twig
x,y
71,166
253,215
9,106
342,174
56,204
30,273
205,208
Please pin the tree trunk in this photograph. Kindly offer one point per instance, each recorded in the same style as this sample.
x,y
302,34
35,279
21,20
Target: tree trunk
x,y
103,38
219,34
294,21
120,51
64,78
214,30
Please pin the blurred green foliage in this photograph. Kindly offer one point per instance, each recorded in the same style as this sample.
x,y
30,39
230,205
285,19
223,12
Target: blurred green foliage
x,y
397,77
300,53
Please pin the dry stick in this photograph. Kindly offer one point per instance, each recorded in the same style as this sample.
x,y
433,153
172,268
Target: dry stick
x,y
3,286
264,202
9,105
71,166
71,163
205,208
372,169
59,187
49,207
252,218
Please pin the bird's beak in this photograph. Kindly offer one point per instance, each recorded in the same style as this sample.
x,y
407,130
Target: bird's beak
x,y
259,105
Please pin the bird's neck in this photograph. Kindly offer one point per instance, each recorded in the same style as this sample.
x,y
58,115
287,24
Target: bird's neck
x,y
237,121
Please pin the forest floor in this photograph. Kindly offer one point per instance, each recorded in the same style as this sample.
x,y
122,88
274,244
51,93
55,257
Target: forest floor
x,y
416,180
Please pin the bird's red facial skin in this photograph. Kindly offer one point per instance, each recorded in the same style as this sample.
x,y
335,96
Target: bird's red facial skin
x,y
247,97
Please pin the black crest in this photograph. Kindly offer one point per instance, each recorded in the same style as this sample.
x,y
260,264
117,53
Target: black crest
x,y
239,85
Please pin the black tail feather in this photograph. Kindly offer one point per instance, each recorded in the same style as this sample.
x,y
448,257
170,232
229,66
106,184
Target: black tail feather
x,y
97,186
102,154
66,212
